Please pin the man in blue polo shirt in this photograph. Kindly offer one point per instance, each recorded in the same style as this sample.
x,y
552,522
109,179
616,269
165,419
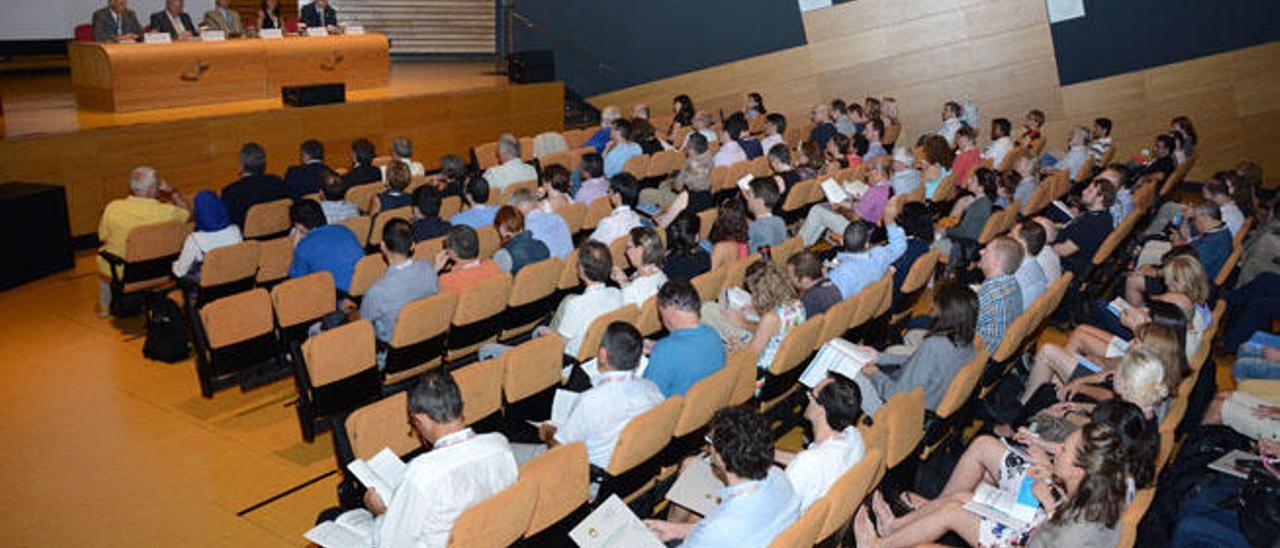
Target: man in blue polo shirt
x,y
322,246
692,351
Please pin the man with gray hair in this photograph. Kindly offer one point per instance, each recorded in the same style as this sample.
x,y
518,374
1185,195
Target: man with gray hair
x,y
601,138
460,469
548,228
150,201
511,169
402,151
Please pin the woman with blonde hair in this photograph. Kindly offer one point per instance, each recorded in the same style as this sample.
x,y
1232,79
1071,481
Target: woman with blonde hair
x,y
774,311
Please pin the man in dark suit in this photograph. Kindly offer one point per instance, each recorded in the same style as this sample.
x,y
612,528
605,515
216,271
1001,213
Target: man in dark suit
x,y
305,178
173,21
254,186
362,169
319,14
116,23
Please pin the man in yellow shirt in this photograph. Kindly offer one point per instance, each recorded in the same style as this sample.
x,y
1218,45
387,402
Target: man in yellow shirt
x,y
141,207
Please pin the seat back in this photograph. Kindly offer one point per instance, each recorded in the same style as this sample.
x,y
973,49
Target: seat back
x,y
962,385
835,322
1229,266
706,218
796,346
486,155
1008,162
649,321
574,216
743,364
569,278
489,241
230,264
368,270
360,226
847,493
535,282
801,195
709,284
304,300
920,272
595,333
703,399
150,249
381,424
994,224
618,251
637,166
499,520
645,435
426,250
597,210
380,220
804,532
267,220
475,319
664,163
480,384
233,334
736,272
782,252
904,418
511,189
274,257
563,477
418,341
364,195
237,318
339,353
563,158
532,367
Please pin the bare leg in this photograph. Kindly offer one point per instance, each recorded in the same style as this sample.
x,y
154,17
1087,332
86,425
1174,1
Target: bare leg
x,y
1087,340
950,517
1213,415
1051,361
980,461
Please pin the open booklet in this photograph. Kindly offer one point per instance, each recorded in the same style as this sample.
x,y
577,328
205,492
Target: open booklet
x,y
1119,306
1064,208
353,529
697,488
739,298
837,355
561,406
382,473
613,524
1153,252
837,192
1235,463
1017,510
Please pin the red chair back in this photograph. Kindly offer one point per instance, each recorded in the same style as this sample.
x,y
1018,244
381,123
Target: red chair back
x,y
291,24
84,33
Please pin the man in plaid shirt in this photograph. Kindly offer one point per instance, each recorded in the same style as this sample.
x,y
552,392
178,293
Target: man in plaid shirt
x,y
999,298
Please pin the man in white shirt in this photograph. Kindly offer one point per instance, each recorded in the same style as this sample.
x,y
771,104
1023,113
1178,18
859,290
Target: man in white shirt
x,y
461,469
730,151
624,193
1001,144
775,125
833,411
950,122
1030,275
1216,191
617,396
1101,139
595,264
512,169
402,151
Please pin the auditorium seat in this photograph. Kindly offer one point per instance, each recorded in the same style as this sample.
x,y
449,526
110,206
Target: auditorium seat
x,y
477,317
563,477
532,298
480,384
268,220
274,257
595,332
574,215
368,270
709,284
380,221
417,344
337,373
300,302
848,492
803,533
632,468
232,335
360,226
146,266
531,375
499,520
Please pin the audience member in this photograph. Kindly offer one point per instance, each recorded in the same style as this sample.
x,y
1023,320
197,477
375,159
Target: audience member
x,y
729,236
254,187
624,193
406,280
817,292
556,188
1030,275
951,123
917,224
766,230
548,228
968,158
479,212
833,410
731,151
594,184
1081,238
906,177
621,148
305,178
213,230
321,246
142,207
600,139
461,258
362,169
510,169
1001,143
644,252
394,197
691,351
1099,140
427,224
873,133
823,129
938,158
642,133
334,202
576,312
402,151
1000,298
860,264
685,259
775,128
519,246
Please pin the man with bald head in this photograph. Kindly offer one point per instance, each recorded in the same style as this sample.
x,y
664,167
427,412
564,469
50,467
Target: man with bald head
x,y
143,206
173,20
116,23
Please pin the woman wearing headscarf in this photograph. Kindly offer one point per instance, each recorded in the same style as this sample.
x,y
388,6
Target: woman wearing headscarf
x,y
213,230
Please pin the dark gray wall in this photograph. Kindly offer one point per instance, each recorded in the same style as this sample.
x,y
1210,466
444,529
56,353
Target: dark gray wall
x,y
603,45
1118,36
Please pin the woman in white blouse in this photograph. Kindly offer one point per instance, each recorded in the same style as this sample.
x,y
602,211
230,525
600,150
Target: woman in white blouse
x,y
645,253
213,230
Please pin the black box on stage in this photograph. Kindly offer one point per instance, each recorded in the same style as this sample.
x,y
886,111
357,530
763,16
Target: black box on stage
x,y
35,232
320,94
530,66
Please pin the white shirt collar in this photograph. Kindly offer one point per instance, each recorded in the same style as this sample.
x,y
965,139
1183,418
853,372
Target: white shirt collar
x,y
454,438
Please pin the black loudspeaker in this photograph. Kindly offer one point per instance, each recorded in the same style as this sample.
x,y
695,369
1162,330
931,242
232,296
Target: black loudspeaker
x,y
319,94
527,67
36,235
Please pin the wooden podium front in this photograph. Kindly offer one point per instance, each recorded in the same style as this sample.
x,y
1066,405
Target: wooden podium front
x,y
131,77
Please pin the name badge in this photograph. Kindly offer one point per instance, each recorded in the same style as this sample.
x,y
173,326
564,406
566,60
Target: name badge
x,y
213,36
271,34
156,38
317,31
354,30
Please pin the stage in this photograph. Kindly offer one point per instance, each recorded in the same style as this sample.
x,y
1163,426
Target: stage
x,y
444,107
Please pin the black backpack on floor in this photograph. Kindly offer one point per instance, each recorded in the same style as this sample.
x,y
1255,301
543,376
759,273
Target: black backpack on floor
x,y
167,339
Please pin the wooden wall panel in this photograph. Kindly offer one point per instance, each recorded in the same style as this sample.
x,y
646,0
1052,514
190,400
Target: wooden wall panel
x,y
999,54
192,155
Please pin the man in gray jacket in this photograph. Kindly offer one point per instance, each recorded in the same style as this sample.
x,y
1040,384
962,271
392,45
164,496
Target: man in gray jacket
x,y
116,23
